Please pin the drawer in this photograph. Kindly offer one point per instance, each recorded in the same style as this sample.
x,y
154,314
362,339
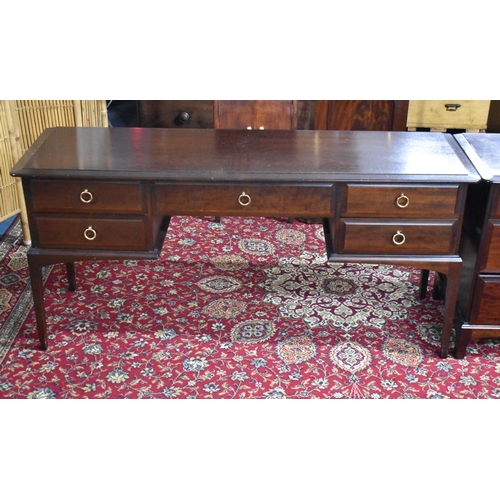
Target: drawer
x,y
92,233
495,206
472,114
88,197
486,304
173,114
404,200
367,236
231,199
490,263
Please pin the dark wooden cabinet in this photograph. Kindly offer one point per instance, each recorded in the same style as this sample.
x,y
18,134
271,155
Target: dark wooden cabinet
x,y
276,115
478,311
361,115
255,115
173,114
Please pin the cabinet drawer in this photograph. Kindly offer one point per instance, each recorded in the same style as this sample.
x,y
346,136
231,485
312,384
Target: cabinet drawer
x,y
405,200
367,236
486,305
491,260
219,199
92,233
440,114
495,206
88,197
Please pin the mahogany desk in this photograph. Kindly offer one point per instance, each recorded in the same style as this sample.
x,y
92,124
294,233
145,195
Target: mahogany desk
x,y
108,193
478,306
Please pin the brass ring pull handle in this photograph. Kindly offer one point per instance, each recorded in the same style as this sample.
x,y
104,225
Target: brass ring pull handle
x,y
90,233
402,201
398,238
86,196
244,199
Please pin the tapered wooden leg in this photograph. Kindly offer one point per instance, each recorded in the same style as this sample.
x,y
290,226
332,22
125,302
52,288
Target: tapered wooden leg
x,y
424,279
464,336
451,294
437,291
35,267
70,270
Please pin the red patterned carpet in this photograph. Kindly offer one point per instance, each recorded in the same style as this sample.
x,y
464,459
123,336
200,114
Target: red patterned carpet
x,y
248,308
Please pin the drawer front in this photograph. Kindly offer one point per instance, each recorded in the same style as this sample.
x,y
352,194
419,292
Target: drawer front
x,y
92,233
405,200
218,199
486,304
88,197
441,114
491,253
362,236
173,114
495,207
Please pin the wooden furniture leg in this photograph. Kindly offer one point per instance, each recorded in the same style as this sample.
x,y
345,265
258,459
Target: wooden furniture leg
x,y
35,265
70,270
437,290
451,294
424,279
464,336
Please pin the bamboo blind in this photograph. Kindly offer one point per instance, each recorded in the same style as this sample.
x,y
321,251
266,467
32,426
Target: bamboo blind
x,y
9,200
21,123
35,116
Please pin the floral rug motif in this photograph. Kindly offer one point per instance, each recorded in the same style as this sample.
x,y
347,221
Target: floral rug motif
x,y
244,308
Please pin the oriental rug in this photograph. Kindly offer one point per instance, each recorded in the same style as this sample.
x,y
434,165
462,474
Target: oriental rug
x,y
244,308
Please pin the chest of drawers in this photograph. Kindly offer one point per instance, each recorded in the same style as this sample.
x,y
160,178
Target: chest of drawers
x,y
469,115
404,219
384,197
478,311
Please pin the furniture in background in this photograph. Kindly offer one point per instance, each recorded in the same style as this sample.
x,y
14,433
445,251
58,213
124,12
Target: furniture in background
x,y
21,123
436,116
384,197
478,311
255,115
176,114
440,116
300,115
361,115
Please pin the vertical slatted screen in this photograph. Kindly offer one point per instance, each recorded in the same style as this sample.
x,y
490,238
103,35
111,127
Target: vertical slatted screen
x,y
9,201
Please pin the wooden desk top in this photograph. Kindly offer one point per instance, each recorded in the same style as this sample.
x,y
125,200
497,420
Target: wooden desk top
x,y
484,152
258,156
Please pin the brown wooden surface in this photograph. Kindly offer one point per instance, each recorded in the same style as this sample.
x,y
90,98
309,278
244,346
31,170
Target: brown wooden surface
x,y
241,155
200,114
478,311
105,197
111,233
361,115
287,172
422,201
486,310
182,113
223,199
495,203
489,261
255,115
368,236
493,124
